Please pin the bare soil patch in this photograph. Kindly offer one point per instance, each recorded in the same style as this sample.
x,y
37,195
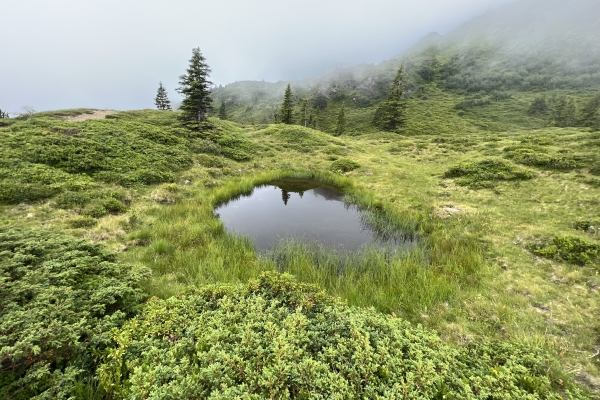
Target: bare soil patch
x,y
98,114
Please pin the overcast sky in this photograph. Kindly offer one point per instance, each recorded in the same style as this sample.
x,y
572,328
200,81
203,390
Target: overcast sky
x,y
112,54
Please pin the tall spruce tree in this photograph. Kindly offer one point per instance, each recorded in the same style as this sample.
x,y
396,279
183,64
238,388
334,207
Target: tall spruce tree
x,y
195,90
340,127
287,108
305,112
391,114
223,111
162,100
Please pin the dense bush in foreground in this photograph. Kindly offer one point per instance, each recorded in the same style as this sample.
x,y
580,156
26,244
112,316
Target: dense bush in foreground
x,y
275,338
59,299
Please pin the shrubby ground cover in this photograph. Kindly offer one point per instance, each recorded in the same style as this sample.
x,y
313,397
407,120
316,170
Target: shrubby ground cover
x,y
276,338
60,297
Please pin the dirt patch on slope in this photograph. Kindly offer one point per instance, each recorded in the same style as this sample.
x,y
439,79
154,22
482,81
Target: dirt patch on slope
x,y
98,114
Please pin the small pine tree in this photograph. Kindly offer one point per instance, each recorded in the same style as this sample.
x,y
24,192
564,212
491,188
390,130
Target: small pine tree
x,y
340,128
162,101
223,111
305,112
391,114
287,108
195,88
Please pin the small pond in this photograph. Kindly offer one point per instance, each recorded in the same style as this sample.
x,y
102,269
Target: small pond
x,y
304,210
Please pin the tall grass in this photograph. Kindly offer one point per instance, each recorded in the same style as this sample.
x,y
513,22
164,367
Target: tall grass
x,y
188,246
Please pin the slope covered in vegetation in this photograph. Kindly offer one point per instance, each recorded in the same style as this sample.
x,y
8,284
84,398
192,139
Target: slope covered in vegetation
x,y
496,171
493,261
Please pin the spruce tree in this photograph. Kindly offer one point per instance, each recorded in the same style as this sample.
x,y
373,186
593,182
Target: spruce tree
x,y
162,101
564,112
305,112
591,113
195,90
391,114
340,128
223,111
539,106
287,108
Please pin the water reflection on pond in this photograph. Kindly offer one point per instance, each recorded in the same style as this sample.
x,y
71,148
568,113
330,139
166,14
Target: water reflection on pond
x,y
302,209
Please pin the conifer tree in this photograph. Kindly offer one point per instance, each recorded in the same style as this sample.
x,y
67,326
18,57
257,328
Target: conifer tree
x,y
564,112
195,90
223,111
277,115
162,101
305,112
591,113
391,114
287,108
340,128
539,106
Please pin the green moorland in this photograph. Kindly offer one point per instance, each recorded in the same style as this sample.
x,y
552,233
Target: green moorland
x,y
498,300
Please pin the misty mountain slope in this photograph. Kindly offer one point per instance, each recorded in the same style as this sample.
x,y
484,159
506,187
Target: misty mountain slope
x,y
530,46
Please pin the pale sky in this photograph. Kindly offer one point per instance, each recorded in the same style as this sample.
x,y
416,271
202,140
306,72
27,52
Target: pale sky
x,y
112,54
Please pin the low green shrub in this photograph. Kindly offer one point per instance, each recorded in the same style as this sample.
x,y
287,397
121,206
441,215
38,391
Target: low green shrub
x,y
539,158
569,248
59,299
83,222
236,147
27,182
113,206
344,165
135,148
205,146
95,210
211,161
276,338
587,226
69,200
486,173
472,103
104,206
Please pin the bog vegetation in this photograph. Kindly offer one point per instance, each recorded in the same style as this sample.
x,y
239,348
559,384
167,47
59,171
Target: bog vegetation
x,y
118,281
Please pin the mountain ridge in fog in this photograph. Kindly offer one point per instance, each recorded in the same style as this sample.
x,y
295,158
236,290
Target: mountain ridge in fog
x,y
539,28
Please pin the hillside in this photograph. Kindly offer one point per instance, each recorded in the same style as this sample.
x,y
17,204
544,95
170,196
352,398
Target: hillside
x,y
514,53
118,281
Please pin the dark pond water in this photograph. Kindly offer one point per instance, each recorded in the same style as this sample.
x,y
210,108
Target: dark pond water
x,y
302,209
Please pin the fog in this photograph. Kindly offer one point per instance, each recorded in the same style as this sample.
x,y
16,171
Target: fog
x,y
112,54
